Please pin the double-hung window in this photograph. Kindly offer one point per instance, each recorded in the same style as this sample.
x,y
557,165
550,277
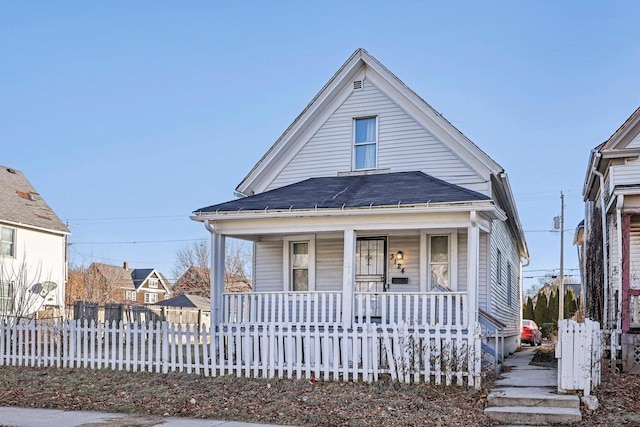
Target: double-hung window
x,y
150,298
130,295
7,241
153,283
300,266
299,263
365,143
6,297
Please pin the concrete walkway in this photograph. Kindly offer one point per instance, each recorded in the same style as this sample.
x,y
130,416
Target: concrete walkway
x,y
528,394
14,416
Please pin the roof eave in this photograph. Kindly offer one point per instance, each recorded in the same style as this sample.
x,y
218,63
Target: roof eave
x,y
482,206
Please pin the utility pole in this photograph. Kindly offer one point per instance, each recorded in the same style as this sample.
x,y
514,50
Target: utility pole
x,y
561,286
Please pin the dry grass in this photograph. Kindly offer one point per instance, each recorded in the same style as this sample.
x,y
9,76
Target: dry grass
x,y
296,402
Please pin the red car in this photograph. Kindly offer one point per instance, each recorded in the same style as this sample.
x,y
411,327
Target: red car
x,y
530,333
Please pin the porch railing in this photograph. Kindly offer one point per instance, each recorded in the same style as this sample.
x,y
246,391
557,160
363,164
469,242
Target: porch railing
x,y
325,308
432,308
319,308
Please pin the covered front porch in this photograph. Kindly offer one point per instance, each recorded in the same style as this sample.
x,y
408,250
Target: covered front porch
x,y
419,268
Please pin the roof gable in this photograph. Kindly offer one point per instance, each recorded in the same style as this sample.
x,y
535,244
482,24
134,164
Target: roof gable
x,y
361,66
20,203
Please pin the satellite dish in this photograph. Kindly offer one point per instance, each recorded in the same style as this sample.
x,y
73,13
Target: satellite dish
x,y
44,288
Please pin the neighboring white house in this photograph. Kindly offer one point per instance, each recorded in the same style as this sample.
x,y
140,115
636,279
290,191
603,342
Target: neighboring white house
x,y
371,207
611,239
33,247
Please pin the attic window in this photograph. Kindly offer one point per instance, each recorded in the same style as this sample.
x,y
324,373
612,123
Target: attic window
x,y
357,85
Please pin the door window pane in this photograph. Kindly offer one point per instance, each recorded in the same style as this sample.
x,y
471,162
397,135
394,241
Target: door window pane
x,y
439,263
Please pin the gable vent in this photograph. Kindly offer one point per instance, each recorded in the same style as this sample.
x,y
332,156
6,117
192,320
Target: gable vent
x,y
357,85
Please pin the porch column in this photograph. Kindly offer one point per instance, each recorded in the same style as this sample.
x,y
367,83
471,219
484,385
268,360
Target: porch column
x,y
217,275
348,277
626,284
473,257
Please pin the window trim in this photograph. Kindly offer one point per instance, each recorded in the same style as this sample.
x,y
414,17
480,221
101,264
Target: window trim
x,y
425,258
509,286
155,282
13,242
6,307
287,252
499,277
130,295
354,144
147,297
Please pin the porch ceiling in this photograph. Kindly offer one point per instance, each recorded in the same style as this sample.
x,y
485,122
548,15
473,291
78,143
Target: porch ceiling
x,y
377,190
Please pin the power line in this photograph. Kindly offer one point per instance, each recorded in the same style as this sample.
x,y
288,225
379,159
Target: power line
x,y
135,242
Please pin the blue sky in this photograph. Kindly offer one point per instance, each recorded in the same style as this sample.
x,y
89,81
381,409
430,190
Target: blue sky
x,y
127,116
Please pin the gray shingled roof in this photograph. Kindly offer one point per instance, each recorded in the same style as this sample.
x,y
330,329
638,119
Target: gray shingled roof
x,y
20,203
390,189
192,301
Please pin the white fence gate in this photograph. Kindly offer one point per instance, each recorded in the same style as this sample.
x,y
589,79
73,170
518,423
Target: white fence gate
x,y
442,355
579,353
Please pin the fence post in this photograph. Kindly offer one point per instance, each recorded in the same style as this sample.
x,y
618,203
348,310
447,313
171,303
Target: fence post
x,y
165,347
477,354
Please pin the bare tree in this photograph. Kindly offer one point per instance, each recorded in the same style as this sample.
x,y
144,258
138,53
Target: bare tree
x,y
23,291
98,283
191,268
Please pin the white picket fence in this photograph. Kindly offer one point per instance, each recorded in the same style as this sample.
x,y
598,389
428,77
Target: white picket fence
x,y
579,352
442,355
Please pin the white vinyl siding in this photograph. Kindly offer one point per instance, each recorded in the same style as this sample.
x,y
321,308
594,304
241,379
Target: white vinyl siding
x,y
501,240
625,174
329,261
410,247
635,143
484,276
403,145
462,261
268,271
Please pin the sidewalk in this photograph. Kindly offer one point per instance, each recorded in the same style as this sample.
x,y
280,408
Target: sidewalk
x,y
528,394
13,416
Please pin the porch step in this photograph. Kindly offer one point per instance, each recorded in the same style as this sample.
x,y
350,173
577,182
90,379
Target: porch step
x,y
533,415
532,397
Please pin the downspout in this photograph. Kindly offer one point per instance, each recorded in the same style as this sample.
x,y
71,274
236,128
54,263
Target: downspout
x,y
619,204
605,260
213,301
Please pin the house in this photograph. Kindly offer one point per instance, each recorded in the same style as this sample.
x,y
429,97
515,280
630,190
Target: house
x,y
111,283
33,251
197,281
372,208
611,239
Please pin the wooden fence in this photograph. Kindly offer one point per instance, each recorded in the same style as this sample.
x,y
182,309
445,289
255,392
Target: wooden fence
x,y
442,355
579,352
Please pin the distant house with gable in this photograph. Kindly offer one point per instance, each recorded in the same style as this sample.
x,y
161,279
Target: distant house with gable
x,y
128,285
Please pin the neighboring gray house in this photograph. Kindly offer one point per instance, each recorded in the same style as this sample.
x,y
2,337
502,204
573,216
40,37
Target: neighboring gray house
x,y
33,248
378,206
610,240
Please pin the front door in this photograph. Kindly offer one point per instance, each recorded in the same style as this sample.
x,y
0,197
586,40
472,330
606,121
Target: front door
x,y
371,273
